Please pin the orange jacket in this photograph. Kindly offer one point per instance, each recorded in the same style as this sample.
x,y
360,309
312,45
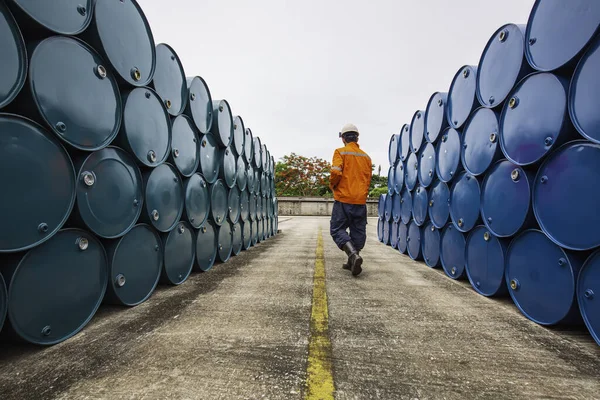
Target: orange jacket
x,y
350,174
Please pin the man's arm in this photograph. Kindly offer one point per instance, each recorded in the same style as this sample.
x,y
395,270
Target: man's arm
x,y
337,167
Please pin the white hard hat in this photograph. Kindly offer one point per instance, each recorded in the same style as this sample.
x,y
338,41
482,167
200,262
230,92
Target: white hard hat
x,y
349,128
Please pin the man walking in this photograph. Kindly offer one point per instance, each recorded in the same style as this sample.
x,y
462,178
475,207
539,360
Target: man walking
x,y
350,180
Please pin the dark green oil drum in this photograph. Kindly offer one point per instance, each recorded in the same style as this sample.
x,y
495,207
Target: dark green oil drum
x,y
209,158
244,206
197,201
242,179
206,246
246,234
237,239
225,238
179,254
199,105
63,17
219,202
164,199
250,179
13,69
222,127
185,151
169,80
234,205
257,163
228,169
239,136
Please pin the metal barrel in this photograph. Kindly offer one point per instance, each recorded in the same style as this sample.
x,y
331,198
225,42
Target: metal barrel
x,y
233,201
163,197
259,231
206,246
257,182
236,236
254,233
417,131
399,176
110,193
439,204
485,256
225,241
502,65
582,94
222,127
228,167
135,263
241,175
169,80
179,250
252,208
209,158
557,32
257,160
535,119
396,207
35,313
3,302
249,147
264,157
196,201
414,241
78,100
14,58
244,206
430,245
389,207
381,206
452,251
461,96
402,236
588,287
120,32
265,187
447,155
239,136
420,205
246,234
426,157
26,151
435,116
565,196
185,151
387,225
393,149
506,199
219,202
146,128
391,180
465,195
542,282
404,142
199,104
406,206
394,235
480,148
411,171
68,17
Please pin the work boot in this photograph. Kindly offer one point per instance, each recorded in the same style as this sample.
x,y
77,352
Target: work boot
x,y
347,265
354,259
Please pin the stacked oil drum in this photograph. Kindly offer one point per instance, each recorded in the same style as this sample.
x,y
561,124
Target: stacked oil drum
x,y
498,180
117,171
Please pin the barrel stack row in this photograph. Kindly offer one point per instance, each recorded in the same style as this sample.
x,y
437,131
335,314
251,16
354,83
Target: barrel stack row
x,y
117,171
498,180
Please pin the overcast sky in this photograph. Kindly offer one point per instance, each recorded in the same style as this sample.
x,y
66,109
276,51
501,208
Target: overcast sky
x,y
297,71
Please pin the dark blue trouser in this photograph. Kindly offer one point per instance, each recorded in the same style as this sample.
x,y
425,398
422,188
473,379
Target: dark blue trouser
x,y
351,216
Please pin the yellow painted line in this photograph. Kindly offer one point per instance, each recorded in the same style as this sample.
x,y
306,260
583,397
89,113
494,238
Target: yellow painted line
x,y
319,382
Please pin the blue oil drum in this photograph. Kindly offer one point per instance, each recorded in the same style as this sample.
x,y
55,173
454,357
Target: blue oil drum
x,y
222,127
246,234
199,104
485,256
435,116
588,287
413,241
387,226
452,252
249,147
67,17
565,196
219,202
3,301
412,171
381,206
399,177
236,236
244,206
239,136
234,205
135,264
185,151
558,31
535,120
404,142
430,245
465,196
146,128
225,242
461,96
169,80
502,65
402,236
206,246
250,184
79,100
391,180
405,206
121,33
394,235
164,197
506,199
252,208
541,279
393,149
585,86
439,204
179,254
257,162
36,312
209,158
396,207
197,202
426,165
228,167
14,58
26,152
417,131
110,193
389,207
420,205
447,155
480,147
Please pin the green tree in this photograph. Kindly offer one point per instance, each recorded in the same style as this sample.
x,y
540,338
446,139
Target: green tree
x,y
296,175
378,185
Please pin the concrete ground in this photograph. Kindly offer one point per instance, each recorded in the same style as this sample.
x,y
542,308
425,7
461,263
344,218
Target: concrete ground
x,y
241,331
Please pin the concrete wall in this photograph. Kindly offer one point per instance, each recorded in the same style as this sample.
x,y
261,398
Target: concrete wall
x,y
310,206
